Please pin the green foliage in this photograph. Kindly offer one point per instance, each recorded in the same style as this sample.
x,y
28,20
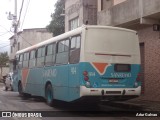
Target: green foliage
x,y
4,58
57,24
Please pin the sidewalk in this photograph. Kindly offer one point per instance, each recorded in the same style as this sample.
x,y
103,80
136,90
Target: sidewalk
x,y
1,84
146,105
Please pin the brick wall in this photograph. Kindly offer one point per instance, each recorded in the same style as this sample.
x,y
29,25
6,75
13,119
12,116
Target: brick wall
x,y
151,40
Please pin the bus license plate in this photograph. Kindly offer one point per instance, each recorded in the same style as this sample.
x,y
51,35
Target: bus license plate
x,y
113,81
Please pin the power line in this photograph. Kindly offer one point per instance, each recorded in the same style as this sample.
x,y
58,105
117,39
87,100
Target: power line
x,y
20,12
4,43
4,34
4,46
25,14
25,40
5,29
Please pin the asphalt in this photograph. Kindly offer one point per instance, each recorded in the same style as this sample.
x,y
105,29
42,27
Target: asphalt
x,y
134,104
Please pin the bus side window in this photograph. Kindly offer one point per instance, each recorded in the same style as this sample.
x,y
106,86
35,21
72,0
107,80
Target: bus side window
x,y
50,54
32,61
20,61
62,53
25,60
75,50
40,56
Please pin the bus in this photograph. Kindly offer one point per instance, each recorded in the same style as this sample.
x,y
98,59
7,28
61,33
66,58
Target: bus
x,y
85,64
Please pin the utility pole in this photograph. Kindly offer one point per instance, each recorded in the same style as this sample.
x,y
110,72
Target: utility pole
x,y
15,23
13,17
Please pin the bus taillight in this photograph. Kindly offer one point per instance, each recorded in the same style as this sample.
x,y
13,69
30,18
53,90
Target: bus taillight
x,y
138,77
85,74
86,78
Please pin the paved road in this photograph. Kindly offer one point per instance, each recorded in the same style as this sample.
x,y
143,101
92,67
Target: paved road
x,y
10,101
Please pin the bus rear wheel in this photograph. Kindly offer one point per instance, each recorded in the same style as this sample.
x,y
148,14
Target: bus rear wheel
x,y
49,94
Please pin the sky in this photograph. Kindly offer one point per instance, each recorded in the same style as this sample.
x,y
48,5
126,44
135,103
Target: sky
x,y
36,15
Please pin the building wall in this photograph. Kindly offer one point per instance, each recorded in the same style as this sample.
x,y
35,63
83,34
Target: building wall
x,y
139,15
27,38
118,1
5,70
130,12
151,40
33,36
85,10
73,9
107,4
90,12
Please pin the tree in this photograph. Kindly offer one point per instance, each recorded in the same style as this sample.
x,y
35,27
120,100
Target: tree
x,y
56,25
4,59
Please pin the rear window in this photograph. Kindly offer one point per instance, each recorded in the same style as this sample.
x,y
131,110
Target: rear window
x,y
122,68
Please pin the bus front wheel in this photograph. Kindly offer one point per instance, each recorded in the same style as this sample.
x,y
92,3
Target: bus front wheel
x,y
20,89
49,94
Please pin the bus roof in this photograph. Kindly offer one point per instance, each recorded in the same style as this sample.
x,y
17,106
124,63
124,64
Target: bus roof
x,y
68,34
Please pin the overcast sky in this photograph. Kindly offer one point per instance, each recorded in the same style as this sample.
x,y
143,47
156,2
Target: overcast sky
x,y
37,16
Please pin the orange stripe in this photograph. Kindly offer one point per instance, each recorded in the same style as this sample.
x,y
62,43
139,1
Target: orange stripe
x,y
24,76
100,66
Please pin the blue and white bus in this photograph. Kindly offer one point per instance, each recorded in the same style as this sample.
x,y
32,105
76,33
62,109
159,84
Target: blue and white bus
x,y
89,62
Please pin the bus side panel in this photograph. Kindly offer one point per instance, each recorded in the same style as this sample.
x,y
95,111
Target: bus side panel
x,y
16,80
60,83
74,82
34,81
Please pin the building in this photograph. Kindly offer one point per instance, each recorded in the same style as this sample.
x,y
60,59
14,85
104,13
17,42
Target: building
x,y
79,12
26,38
139,15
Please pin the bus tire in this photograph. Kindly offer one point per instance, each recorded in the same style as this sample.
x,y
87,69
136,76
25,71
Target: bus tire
x,y
49,94
20,89
21,93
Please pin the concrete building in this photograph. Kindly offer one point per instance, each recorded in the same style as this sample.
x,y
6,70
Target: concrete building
x,y
5,71
79,12
26,38
139,15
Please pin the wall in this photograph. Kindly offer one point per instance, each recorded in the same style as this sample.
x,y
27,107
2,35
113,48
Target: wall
x,y
29,37
73,9
120,13
118,1
130,11
151,40
5,70
86,10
